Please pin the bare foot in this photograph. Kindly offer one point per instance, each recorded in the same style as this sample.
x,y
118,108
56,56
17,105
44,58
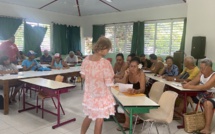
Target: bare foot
x,y
205,131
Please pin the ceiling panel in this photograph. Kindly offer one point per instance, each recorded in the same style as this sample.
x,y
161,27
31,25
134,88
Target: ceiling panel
x,y
28,3
91,7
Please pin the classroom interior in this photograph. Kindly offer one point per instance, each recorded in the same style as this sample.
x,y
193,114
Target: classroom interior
x,y
84,15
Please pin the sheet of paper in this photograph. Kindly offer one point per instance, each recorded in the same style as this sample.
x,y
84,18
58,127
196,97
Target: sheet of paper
x,y
124,87
177,84
147,71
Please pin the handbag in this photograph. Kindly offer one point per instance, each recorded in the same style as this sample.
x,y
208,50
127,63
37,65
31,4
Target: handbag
x,y
194,121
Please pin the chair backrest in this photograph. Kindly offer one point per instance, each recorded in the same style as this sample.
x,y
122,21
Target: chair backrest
x,y
167,103
156,91
59,78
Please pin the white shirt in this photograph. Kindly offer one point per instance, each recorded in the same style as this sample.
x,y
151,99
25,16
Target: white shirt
x,y
68,59
204,80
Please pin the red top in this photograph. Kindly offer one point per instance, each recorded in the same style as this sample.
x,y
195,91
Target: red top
x,y
9,49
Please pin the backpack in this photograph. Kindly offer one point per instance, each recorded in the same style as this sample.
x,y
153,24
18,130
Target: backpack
x,y
1,102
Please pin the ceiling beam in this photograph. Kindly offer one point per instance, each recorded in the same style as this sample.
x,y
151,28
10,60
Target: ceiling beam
x,y
48,4
110,5
78,6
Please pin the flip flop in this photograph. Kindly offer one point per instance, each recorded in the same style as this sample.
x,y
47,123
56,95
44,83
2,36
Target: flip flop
x,y
123,128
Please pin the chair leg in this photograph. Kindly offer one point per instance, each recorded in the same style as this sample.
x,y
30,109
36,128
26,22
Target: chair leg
x,y
37,105
54,103
42,108
150,127
135,124
168,128
156,128
144,123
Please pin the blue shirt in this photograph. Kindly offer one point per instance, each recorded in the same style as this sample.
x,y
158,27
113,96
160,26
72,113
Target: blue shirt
x,y
58,65
172,72
27,63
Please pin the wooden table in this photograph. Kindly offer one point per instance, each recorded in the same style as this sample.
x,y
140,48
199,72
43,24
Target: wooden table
x,y
133,105
177,87
8,79
56,87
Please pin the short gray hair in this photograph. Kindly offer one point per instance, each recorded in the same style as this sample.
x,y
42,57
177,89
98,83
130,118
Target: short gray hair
x,y
207,62
190,59
71,52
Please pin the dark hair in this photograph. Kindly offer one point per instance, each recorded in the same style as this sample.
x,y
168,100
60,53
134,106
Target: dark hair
x,y
169,57
121,55
21,53
153,56
131,55
142,55
135,59
4,58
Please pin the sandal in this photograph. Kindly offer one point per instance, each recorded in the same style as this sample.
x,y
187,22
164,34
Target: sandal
x,y
123,129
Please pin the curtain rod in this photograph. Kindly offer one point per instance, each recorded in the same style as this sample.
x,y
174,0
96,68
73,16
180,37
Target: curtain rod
x,y
144,20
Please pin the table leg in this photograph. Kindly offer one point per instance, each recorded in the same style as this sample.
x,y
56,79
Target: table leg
x,y
184,110
6,96
58,114
131,121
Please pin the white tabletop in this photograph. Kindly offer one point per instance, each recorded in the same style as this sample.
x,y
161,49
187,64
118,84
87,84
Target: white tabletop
x,y
43,65
173,84
133,100
28,74
51,84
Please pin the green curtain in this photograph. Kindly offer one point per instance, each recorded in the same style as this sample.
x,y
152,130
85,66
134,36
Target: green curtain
x,y
33,37
74,38
98,30
183,36
60,40
137,44
8,27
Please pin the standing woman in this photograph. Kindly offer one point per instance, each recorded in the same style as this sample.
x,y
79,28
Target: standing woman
x,y
98,102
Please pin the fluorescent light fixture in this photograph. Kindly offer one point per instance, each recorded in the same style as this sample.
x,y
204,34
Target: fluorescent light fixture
x,y
109,0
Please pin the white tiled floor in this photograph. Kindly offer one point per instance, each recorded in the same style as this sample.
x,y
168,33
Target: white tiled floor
x,y
31,123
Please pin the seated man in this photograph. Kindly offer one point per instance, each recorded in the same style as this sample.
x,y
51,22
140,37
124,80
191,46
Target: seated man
x,y
189,73
71,58
45,58
79,55
6,67
205,81
145,62
171,69
30,63
157,67
120,66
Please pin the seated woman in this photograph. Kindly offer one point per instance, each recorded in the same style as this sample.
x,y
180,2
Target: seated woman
x,y
157,66
120,66
6,67
171,69
134,75
58,62
79,55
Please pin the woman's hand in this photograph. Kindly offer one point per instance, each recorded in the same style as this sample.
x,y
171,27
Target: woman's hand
x,y
127,72
131,91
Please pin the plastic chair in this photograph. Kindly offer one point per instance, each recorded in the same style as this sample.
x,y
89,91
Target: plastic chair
x,y
164,114
44,94
156,91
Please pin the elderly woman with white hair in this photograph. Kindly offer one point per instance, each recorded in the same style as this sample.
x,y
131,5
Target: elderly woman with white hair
x,y
71,58
205,82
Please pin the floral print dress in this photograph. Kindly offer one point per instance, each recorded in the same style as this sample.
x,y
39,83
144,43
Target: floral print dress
x,y
98,101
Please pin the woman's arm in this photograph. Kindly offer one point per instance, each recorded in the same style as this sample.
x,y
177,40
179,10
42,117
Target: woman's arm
x,y
124,79
52,64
